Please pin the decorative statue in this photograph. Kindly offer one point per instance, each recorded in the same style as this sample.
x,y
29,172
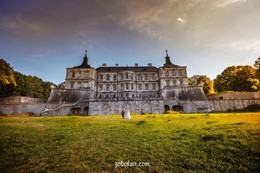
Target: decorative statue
x,y
167,58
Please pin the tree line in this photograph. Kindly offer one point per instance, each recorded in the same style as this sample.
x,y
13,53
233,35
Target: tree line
x,y
233,78
13,83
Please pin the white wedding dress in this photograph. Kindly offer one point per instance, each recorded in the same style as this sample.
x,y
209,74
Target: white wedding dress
x,y
128,116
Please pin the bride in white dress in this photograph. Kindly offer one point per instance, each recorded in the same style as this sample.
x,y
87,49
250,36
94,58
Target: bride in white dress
x,y
128,116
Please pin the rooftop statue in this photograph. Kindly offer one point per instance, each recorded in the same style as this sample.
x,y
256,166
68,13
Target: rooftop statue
x,y
85,62
168,62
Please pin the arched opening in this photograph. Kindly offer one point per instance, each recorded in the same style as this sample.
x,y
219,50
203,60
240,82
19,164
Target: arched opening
x,y
166,108
75,111
177,108
85,111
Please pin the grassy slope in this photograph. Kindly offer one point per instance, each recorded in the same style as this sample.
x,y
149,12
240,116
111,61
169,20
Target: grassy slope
x,y
173,142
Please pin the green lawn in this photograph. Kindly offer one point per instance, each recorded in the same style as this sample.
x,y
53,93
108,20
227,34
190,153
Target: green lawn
x,y
167,142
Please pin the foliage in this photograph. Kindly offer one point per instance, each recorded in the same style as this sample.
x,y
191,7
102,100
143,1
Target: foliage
x,y
169,142
206,82
18,84
61,85
237,78
6,73
257,66
7,78
31,86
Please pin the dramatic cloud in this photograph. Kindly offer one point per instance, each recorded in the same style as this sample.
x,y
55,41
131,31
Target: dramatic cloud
x,y
225,3
20,23
138,31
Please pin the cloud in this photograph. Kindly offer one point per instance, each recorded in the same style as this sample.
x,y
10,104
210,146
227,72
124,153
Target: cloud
x,y
180,20
252,45
19,22
225,3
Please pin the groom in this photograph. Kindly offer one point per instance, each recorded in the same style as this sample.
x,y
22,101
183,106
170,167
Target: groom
x,y
123,113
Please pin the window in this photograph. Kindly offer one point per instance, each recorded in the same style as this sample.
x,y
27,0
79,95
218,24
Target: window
x,y
127,76
108,77
139,77
133,95
180,72
154,86
167,83
100,87
72,84
167,73
122,86
174,82
174,73
127,86
146,77
181,82
73,74
107,87
132,86
101,77
139,86
114,87
121,76
146,86
153,77
114,77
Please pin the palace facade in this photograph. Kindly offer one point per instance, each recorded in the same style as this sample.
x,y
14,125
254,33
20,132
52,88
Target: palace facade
x,y
140,89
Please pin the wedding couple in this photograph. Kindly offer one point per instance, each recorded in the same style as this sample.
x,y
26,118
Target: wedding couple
x,y
128,116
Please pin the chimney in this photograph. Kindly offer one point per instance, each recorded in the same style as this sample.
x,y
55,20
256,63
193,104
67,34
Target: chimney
x,y
117,65
136,65
150,64
104,65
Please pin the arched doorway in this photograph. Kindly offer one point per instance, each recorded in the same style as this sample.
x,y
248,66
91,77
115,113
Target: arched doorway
x,y
166,108
75,111
85,111
177,108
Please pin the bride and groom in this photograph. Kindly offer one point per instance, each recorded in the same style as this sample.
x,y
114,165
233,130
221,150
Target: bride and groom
x,y
128,116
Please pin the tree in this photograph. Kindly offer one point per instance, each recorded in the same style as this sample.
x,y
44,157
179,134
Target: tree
x,y
7,78
206,82
13,83
237,78
61,85
6,73
257,66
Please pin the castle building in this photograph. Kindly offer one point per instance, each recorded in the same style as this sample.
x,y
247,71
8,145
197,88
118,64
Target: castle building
x,y
111,89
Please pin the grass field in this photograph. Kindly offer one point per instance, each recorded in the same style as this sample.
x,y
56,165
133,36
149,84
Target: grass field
x,y
168,143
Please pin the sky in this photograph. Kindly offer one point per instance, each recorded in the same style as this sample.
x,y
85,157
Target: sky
x,y
44,37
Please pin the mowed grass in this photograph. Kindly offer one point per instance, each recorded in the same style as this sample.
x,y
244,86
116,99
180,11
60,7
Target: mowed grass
x,y
169,143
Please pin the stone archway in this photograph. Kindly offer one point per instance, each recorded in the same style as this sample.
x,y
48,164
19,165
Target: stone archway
x,y
177,108
166,108
106,109
85,111
75,110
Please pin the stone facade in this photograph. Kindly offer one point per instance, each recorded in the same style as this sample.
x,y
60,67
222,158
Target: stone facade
x,y
140,89
111,89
